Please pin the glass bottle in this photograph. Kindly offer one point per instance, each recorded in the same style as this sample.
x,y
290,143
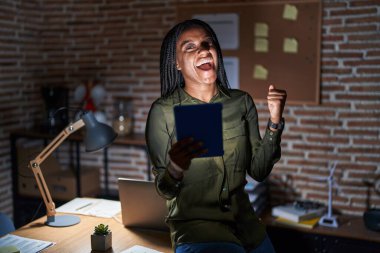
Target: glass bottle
x,y
123,118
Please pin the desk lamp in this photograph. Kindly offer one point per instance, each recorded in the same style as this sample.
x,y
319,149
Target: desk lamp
x,y
98,136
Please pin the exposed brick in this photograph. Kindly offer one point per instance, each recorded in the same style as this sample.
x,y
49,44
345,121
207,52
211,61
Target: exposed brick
x,y
311,113
327,79
370,159
366,124
372,53
327,46
333,4
360,46
360,150
371,142
332,38
353,29
328,62
331,88
368,106
338,157
363,3
353,12
373,79
332,21
321,122
368,19
336,104
328,140
373,97
313,147
364,37
306,163
358,115
309,130
342,55
366,88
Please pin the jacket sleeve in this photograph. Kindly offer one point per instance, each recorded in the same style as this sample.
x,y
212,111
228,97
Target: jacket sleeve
x,y
265,152
159,139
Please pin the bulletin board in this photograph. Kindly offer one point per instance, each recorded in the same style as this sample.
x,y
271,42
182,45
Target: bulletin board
x,y
278,43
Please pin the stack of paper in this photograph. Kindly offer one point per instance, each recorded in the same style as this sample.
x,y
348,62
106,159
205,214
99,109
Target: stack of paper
x,y
308,224
290,212
24,244
91,206
291,215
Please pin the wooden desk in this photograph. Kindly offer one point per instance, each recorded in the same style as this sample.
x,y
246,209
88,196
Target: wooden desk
x,y
77,238
350,236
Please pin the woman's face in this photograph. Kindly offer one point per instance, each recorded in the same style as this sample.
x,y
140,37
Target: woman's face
x,y
196,57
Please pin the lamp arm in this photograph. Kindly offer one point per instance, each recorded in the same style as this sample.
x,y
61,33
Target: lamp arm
x,y
34,164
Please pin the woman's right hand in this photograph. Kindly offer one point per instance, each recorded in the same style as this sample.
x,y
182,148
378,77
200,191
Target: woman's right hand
x,y
181,154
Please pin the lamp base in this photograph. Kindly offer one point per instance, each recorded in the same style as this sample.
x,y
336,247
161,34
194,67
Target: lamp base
x,y
329,221
62,221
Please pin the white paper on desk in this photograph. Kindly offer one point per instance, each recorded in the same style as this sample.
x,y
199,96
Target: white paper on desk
x,y
140,249
24,244
90,206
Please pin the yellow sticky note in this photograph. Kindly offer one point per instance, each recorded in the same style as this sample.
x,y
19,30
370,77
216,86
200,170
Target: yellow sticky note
x,y
290,12
261,30
290,45
260,72
261,45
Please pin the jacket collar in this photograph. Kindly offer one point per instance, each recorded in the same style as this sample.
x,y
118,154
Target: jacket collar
x,y
184,97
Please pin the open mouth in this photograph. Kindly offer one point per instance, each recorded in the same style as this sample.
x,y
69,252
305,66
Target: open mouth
x,y
205,64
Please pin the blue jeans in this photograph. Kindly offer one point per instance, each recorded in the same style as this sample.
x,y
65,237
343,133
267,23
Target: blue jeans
x,y
223,247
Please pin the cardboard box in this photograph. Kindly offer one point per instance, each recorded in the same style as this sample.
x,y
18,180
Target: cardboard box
x,y
62,184
27,184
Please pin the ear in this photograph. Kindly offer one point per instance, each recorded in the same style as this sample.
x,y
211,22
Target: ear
x,y
177,65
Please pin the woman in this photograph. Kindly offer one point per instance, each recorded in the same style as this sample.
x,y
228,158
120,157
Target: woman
x,y
208,208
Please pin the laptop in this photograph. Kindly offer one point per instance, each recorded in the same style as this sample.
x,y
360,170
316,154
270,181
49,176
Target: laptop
x,y
141,206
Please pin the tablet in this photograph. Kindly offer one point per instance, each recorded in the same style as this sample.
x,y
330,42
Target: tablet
x,y
203,122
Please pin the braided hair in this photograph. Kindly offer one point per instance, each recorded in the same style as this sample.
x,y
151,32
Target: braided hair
x,y
170,77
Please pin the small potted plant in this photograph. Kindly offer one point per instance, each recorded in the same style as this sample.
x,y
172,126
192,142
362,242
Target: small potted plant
x,y
101,239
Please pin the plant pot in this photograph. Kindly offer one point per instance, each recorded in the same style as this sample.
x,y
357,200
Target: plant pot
x,y
101,242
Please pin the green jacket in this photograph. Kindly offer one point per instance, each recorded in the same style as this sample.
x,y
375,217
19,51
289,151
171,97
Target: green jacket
x,y
210,204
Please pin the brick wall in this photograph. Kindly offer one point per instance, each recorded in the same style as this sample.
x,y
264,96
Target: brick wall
x,y
19,62
63,43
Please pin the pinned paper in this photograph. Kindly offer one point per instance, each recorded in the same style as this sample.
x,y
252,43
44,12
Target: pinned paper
x,y
261,45
261,29
290,12
260,72
290,45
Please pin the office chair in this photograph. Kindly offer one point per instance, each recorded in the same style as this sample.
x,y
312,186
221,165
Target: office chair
x,y
6,224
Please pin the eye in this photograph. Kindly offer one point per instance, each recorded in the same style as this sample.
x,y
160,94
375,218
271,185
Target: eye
x,y
190,46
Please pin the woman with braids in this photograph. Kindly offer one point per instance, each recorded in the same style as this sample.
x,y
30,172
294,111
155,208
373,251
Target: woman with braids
x,y
208,208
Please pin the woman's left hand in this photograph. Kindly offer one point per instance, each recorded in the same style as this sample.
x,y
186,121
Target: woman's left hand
x,y
276,103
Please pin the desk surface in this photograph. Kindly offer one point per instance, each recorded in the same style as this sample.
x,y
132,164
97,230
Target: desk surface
x,y
77,238
351,227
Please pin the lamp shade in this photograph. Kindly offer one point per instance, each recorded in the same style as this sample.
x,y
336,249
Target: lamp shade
x,y
98,135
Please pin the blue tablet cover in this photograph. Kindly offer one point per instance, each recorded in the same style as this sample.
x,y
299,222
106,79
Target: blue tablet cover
x,y
203,122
